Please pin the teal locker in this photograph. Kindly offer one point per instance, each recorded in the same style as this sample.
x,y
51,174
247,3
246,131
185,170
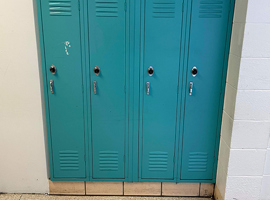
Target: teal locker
x,y
63,75
107,39
163,61
206,57
160,75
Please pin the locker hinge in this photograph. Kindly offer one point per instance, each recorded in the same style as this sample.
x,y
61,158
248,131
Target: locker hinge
x,y
177,89
82,89
79,5
125,89
125,6
124,158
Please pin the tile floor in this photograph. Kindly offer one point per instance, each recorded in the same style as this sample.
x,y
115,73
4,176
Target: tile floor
x,y
54,197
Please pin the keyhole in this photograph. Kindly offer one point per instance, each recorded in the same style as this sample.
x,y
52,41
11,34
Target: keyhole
x,y
194,71
150,71
53,69
97,70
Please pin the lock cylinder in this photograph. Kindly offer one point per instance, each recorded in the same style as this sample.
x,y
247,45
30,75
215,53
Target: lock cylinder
x,y
194,71
96,70
150,71
53,69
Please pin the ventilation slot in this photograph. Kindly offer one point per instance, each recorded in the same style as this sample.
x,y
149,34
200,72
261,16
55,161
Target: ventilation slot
x,y
197,162
60,7
158,161
107,8
108,161
69,160
211,9
163,8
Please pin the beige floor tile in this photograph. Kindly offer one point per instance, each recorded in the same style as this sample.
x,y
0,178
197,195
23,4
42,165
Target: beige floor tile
x,y
142,189
217,194
10,196
56,197
67,187
180,189
104,188
207,189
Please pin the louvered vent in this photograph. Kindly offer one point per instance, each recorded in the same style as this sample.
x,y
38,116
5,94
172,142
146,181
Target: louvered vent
x,y
69,160
211,8
158,161
163,8
197,162
60,7
108,161
106,8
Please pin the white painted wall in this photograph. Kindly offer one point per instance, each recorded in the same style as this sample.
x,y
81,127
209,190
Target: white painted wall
x,y
244,160
22,146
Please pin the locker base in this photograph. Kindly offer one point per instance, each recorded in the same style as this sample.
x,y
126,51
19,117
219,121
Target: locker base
x,y
131,189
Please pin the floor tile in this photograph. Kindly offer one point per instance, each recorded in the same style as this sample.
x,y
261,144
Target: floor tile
x,y
56,197
10,196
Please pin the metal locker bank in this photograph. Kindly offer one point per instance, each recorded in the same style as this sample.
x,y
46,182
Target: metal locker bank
x,y
134,89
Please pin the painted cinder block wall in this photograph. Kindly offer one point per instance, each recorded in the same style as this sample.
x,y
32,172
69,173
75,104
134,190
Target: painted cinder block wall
x,y
244,157
243,170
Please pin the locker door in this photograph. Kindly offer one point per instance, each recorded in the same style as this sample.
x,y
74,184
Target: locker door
x,y
208,33
107,26
61,27
161,50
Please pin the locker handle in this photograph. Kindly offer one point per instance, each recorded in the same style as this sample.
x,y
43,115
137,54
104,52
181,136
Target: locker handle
x,y
190,88
147,88
95,87
51,86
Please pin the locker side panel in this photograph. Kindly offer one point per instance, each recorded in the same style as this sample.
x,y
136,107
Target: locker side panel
x,y
208,34
162,33
107,35
61,29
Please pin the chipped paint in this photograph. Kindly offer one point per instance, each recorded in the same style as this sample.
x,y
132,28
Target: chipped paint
x,y
67,45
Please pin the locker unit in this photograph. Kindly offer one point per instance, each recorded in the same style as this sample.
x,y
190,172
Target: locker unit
x,y
134,90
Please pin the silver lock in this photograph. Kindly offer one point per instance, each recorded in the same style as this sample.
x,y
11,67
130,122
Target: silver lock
x,y
150,71
194,71
97,70
53,69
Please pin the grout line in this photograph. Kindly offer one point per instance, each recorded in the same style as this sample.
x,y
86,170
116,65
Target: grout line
x,y
123,188
200,189
85,188
161,189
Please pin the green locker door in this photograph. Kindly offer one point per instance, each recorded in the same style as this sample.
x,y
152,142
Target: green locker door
x,y
208,35
161,33
61,29
107,36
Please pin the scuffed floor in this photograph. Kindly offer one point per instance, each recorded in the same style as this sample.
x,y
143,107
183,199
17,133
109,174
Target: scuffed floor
x,y
54,197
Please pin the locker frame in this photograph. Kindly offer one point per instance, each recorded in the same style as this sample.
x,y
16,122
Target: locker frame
x,y
132,136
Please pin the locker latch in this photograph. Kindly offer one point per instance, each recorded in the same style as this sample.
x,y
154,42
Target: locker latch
x,y
51,86
190,88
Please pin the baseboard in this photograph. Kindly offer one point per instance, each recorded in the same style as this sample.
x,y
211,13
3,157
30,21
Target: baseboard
x,y
131,189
